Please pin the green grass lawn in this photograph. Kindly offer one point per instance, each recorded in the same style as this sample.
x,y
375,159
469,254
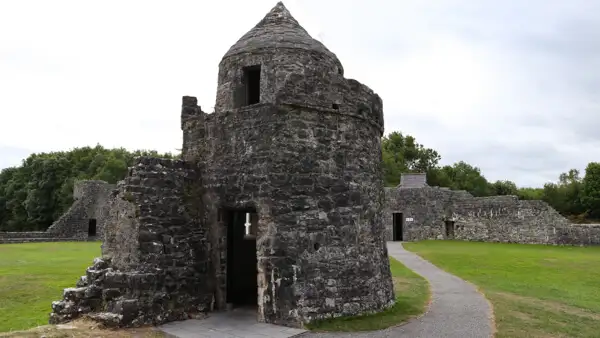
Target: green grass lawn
x,y
32,275
536,290
412,296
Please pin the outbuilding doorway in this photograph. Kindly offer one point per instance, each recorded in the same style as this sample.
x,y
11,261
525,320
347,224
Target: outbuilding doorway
x,y
242,285
398,226
449,229
92,227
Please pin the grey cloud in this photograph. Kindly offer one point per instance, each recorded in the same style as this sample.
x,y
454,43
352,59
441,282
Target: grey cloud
x,y
543,120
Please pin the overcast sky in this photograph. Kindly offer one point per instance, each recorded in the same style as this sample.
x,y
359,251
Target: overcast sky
x,y
510,86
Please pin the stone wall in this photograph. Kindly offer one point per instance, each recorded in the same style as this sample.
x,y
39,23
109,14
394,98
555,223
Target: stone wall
x,y
580,234
91,199
91,202
427,211
27,237
318,193
154,263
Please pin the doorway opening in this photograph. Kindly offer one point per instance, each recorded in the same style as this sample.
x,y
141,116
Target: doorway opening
x,y
252,84
449,229
92,227
242,273
398,230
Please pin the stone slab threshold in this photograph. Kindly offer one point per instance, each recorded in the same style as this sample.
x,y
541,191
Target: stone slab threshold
x,y
237,323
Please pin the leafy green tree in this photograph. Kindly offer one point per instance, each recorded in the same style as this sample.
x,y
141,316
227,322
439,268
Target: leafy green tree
x,y
530,193
35,194
463,176
402,154
591,190
565,195
504,188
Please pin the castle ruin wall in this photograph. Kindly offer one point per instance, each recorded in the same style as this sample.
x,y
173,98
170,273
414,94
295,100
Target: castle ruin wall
x,y
153,269
490,219
91,199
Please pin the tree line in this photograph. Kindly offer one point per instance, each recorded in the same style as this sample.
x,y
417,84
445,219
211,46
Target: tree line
x,y
35,194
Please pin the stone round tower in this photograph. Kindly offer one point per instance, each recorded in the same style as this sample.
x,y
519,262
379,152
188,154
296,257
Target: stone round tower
x,y
291,179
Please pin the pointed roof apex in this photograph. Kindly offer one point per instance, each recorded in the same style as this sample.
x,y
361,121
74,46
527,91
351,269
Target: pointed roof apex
x,y
278,29
280,9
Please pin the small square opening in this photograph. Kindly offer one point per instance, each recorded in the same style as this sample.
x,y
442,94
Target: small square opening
x,y
252,84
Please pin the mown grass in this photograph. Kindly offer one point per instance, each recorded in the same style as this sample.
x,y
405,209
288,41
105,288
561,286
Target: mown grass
x,y
412,297
32,275
536,290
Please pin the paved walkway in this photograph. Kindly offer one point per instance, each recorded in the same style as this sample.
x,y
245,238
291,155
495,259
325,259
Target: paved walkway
x,y
457,310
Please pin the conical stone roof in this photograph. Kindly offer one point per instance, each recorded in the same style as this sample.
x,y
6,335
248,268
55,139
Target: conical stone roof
x,y
278,29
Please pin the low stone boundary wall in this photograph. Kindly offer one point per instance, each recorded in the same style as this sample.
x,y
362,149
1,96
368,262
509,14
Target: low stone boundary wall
x,y
32,234
580,234
35,236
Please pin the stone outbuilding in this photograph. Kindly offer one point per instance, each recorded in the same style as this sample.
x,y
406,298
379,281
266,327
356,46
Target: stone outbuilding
x,y
415,211
276,204
87,215
83,221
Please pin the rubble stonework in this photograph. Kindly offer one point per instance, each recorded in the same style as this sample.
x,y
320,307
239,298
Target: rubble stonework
x,y
488,219
306,158
89,209
91,198
154,265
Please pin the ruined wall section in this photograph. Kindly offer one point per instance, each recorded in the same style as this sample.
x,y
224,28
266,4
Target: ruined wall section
x,y
91,198
427,208
579,234
121,238
500,219
510,220
155,261
193,125
503,219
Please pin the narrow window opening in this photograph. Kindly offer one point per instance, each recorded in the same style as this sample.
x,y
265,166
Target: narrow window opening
x,y
335,106
252,84
92,227
398,226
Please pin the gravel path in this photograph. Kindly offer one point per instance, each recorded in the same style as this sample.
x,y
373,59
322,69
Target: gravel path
x,y
457,310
